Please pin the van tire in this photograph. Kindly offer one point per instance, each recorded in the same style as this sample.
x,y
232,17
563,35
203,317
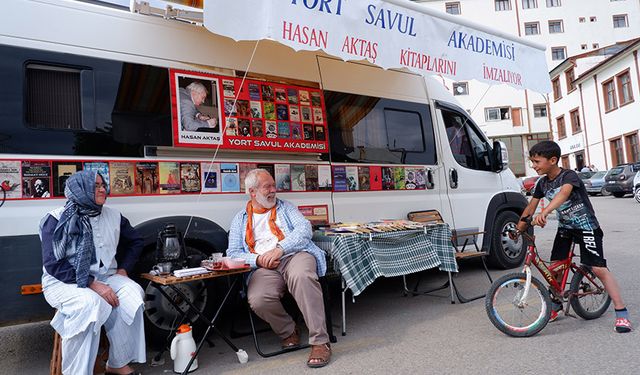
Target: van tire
x,y
506,253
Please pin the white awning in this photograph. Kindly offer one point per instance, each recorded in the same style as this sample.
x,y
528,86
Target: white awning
x,y
387,33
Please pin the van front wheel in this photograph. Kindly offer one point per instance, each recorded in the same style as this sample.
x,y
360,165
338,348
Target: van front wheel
x,y
505,252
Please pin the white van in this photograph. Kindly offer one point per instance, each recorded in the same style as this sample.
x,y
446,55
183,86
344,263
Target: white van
x,y
111,71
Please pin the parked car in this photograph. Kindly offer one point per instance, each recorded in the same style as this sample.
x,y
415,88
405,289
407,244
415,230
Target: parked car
x,y
595,184
528,183
619,180
585,175
636,187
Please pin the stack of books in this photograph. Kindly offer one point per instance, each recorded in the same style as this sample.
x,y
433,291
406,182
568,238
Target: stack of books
x,y
372,227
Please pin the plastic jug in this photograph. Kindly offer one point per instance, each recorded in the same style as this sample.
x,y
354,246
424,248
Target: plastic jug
x,y
183,347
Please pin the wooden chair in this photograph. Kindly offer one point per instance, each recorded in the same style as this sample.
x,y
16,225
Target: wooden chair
x,y
459,240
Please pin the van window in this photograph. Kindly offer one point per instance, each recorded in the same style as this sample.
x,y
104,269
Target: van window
x,y
365,129
468,146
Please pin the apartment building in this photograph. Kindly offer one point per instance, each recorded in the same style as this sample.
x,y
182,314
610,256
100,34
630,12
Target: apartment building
x,y
568,28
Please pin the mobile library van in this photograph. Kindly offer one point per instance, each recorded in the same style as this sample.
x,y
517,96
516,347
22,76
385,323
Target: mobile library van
x,y
86,86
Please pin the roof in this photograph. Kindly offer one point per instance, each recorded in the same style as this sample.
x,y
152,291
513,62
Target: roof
x,y
609,51
632,45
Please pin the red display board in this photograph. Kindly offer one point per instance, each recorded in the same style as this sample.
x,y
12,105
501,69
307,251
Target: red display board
x,y
249,115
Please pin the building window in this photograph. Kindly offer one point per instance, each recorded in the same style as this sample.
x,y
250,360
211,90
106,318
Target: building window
x,y
558,53
625,94
532,28
595,45
581,20
633,151
452,8
570,75
529,4
460,88
515,147
593,19
565,161
583,46
553,3
533,139
609,95
617,156
503,5
557,91
620,20
575,121
497,113
562,131
539,110
555,27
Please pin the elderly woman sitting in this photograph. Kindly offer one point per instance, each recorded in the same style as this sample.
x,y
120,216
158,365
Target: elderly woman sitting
x,y
87,252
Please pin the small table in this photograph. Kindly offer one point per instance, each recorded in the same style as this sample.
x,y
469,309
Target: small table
x,y
362,257
171,281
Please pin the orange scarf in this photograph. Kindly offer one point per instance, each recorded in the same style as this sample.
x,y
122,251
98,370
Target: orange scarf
x,y
272,225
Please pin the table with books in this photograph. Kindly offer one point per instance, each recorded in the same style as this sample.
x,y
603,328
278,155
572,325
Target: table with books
x,y
362,252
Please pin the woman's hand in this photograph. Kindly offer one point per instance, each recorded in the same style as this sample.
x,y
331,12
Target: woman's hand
x,y
105,292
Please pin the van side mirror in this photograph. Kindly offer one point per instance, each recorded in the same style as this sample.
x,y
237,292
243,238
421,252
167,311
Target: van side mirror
x,y
499,157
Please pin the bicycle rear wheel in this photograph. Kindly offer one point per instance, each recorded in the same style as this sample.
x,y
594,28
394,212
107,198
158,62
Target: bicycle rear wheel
x,y
509,314
589,299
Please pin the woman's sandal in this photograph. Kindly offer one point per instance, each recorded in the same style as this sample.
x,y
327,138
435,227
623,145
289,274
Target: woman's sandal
x,y
320,353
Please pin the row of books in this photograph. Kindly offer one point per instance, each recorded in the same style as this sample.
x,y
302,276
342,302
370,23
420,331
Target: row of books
x,y
269,92
45,179
274,129
371,227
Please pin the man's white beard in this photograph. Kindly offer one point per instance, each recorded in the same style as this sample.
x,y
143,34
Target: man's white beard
x,y
264,201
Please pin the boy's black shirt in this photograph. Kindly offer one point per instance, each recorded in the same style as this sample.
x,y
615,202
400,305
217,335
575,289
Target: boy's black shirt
x,y
576,212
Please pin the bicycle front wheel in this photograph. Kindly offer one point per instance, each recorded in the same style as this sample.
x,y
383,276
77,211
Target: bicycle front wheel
x,y
589,299
510,313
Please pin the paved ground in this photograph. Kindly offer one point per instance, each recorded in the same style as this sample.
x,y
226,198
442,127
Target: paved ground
x,y
391,334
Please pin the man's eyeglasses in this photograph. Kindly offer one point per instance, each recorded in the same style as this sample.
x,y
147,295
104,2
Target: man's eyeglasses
x,y
101,186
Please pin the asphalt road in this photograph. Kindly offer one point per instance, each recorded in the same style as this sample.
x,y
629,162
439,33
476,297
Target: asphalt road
x,y
391,334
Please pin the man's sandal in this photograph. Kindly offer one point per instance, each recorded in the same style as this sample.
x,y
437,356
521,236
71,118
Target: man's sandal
x,y
321,354
292,341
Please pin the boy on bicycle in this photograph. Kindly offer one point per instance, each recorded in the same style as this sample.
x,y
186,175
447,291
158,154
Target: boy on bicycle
x,y
577,223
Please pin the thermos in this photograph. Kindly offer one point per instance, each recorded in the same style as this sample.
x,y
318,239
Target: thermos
x,y
183,347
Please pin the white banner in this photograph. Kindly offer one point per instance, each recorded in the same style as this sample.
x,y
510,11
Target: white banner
x,y
387,35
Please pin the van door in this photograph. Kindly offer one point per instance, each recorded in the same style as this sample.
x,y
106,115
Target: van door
x,y
470,181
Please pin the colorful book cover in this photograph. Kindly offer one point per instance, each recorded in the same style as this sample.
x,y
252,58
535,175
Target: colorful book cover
x,y
315,98
298,179
36,179
230,177
318,118
62,170
147,177
244,127
339,178
293,95
190,177
410,178
254,91
307,132
363,178
283,177
272,129
256,109
232,126
421,180
303,95
122,178
228,88
324,177
352,178
319,133
169,177
243,109
387,178
311,177
283,130
399,178
10,179
267,93
230,108
256,128
210,177
375,178
281,94
101,167
305,114
296,130
294,113
269,110
244,169
269,168
282,112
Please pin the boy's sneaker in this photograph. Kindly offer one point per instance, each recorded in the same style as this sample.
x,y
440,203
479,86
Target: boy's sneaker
x,y
623,325
556,307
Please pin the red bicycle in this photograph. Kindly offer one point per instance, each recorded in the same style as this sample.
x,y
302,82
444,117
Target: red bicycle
x,y
518,304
